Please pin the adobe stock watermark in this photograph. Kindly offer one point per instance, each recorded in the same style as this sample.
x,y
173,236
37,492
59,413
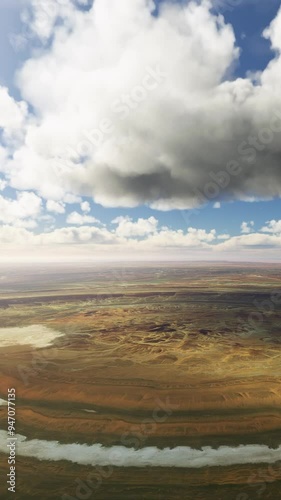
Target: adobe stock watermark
x,y
11,440
256,318
259,481
43,359
136,438
39,363
43,17
247,152
226,5
120,108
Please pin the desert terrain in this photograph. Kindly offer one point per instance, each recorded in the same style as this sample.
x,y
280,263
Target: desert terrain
x,y
142,356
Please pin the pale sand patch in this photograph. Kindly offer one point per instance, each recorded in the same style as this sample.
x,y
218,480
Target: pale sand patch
x,y
35,335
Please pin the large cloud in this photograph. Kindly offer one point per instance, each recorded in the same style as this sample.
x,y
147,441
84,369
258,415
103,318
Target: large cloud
x,y
132,108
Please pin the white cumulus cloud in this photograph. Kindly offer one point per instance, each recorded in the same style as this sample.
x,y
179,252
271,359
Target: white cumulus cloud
x,y
247,227
26,205
134,109
55,206
273,226
127,228
81,219
85,206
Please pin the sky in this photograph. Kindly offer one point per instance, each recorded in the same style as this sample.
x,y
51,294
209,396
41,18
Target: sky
x,y
140,130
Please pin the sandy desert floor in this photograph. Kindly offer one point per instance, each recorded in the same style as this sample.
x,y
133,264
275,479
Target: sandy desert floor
x,y
143,356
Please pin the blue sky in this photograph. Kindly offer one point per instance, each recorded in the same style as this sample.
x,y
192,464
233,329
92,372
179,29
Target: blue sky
x,y
248,20
9,59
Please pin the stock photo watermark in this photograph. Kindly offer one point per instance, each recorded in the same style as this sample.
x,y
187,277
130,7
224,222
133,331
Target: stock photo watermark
x,y
40,19
120,109
226,5
257,317
259,481
11,440
40,362
85,489
247,152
